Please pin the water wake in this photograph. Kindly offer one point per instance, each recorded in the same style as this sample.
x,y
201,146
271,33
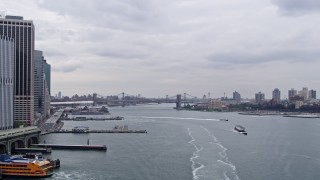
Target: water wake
x,y
210,160
181,118
195,155
225,160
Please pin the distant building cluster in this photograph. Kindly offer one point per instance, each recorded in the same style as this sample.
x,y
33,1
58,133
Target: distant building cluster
x,y
24,75
296,98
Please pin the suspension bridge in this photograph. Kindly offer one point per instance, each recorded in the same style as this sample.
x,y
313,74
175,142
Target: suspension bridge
x,y
124,99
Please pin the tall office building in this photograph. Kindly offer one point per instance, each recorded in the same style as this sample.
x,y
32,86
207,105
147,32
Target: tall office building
x,y
291,93
237,97
6,82
46,86
276,95
304,93
47,72
38,81
22,31
259,97
312,94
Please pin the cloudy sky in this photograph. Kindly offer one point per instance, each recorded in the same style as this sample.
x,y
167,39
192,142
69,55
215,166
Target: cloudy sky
x,y
165,47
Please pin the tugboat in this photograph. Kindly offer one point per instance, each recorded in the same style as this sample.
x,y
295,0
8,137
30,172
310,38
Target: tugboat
x,y
240,129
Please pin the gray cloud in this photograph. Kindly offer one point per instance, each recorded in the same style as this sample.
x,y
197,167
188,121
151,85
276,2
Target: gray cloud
x,y
245,58
158,47
297,7
66,66
125,14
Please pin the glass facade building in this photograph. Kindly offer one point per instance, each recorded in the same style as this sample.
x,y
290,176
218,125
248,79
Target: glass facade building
x,y
22,31
6,82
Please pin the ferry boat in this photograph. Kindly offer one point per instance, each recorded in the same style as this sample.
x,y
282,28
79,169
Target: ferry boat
x,y
25,167
240,129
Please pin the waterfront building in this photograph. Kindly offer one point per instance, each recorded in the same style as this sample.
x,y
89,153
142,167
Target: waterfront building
x,y
216,105
312,94
237,97
298,104
22,31
6,82
259,97
276,95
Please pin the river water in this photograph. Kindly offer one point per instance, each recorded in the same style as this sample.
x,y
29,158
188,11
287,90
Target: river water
x,y
190,145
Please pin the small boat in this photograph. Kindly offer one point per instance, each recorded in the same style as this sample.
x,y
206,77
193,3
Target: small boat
x,y
240,129
223,119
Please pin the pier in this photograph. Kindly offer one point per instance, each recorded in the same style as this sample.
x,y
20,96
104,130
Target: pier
x,y
73,147
100,131
116,118
85,129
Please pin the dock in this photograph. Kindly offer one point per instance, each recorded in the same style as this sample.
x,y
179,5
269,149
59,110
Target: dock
x,y
73,147
85,129
116,118
100,131
32,150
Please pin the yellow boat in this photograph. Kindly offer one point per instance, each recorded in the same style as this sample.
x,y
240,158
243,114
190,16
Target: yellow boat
x,y
25,167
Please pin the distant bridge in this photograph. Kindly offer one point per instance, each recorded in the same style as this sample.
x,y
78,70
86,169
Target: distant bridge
x,y
123,99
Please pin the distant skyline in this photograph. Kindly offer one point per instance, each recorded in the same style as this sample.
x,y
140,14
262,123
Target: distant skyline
x,y
164,47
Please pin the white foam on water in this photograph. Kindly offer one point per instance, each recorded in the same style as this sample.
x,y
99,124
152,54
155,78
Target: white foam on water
x,y
181,118
225,160
195,155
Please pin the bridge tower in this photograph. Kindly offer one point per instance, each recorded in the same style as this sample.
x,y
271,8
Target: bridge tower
x,y
178,102
94,99
123,103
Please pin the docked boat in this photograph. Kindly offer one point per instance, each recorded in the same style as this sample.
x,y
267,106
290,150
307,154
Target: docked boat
x,y
240,129
25,167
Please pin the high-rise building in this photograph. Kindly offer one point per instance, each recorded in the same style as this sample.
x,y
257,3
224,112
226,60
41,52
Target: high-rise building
x,y
304,93
46,85
292,93
259,97
47,72
6,82
237,97
22,31
276,95
38,81
312,94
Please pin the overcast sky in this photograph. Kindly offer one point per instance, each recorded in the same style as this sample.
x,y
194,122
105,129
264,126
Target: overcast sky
x,y
165,47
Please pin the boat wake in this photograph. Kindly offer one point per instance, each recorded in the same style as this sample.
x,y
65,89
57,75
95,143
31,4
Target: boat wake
x,y
210,160
181,118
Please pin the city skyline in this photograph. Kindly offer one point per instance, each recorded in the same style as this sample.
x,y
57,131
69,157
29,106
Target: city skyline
x,y
155,48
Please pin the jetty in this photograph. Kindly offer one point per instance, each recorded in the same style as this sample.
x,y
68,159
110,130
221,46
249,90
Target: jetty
x,y
85,129
73,147
303,116
32,150
118,118
100,131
